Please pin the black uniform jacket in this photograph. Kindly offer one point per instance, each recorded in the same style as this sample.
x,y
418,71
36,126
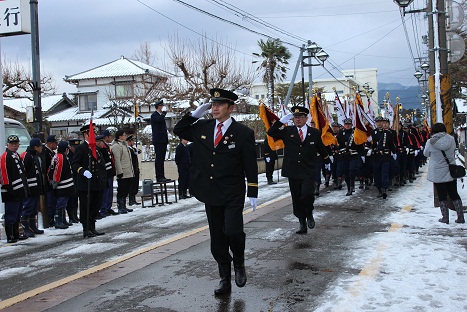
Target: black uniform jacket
x,y
97,168
217,175
34,171
13,177
299,157
159,129
60,174
182,157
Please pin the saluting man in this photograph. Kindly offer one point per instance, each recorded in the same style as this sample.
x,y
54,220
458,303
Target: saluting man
x,y
223,155
302,145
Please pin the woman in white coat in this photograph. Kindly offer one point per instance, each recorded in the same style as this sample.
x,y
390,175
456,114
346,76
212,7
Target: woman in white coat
x,y
438,171
123,168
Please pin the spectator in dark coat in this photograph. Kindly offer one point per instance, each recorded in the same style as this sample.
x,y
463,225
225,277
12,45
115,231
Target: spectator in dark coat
x,y
36,183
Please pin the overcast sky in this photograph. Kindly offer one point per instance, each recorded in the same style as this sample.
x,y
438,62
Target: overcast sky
x,y
79,35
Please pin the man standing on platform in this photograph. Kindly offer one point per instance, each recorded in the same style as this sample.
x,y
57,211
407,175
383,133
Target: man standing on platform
x,y
302,145
160,139
223,155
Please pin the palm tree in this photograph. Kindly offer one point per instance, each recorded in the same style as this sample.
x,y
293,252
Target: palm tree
x,y
275,58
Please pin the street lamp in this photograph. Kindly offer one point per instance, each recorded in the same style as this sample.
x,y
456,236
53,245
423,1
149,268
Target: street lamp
x,y
418,74
316,52
403,3
425,66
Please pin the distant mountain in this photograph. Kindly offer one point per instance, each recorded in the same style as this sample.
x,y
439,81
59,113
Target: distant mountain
x,y
409,95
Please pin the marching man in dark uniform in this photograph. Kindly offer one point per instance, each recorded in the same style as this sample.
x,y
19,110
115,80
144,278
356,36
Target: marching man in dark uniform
x,y
14,188
351,153
384,147
302,145
223,155
33,167
89,170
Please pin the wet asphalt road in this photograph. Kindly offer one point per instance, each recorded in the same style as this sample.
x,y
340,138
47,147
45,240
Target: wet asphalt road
x,y
286,271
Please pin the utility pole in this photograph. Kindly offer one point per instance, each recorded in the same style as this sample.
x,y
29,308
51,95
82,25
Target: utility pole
x,y
439,80
36,73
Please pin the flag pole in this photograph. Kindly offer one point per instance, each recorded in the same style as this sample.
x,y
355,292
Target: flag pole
x,y
91,128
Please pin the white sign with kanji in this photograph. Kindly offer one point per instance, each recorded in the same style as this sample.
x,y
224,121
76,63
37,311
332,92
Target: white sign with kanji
x,y
15,17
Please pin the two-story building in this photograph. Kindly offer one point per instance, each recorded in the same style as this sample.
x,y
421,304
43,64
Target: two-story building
x,y
112,93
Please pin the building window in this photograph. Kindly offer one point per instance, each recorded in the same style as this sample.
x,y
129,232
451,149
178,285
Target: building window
x,y
257,96
123,91
87,102
262,96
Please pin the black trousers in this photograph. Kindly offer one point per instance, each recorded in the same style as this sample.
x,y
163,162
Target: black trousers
x,y
303,197
226,230
134,185
160,150
270,168
183,181
445,189
94,206
123,187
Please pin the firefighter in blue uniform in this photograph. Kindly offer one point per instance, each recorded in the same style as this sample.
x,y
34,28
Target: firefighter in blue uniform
x,y
72,205
14,188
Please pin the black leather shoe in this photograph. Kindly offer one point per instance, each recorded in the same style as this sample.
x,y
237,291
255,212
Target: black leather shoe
x,y
225,287
240,275
96,233
99,216
311,222
129,210
112,212
88,234
302,229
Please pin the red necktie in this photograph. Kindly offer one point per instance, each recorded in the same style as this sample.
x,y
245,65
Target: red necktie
x,y
218,137
301,134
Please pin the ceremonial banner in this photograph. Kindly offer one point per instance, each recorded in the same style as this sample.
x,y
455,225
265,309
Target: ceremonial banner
x,y
363,122
268,117
321,121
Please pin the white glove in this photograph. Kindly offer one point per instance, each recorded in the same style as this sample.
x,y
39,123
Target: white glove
x,y
416,153
327,167
201,110
394,156
286,118
268,159
363,158
421,147
331,158
87,174
164,108
253,203
407,150
369,152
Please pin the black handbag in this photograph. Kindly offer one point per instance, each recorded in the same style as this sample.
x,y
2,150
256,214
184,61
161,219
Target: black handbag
x,y
456,171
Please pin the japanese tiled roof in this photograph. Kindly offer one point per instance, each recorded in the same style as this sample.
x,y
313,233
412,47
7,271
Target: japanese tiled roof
x,y
119,68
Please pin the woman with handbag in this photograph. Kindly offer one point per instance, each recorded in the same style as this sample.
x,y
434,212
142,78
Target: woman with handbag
x,y
438,170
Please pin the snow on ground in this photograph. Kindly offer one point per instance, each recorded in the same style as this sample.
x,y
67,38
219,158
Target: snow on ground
x,y
418,265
